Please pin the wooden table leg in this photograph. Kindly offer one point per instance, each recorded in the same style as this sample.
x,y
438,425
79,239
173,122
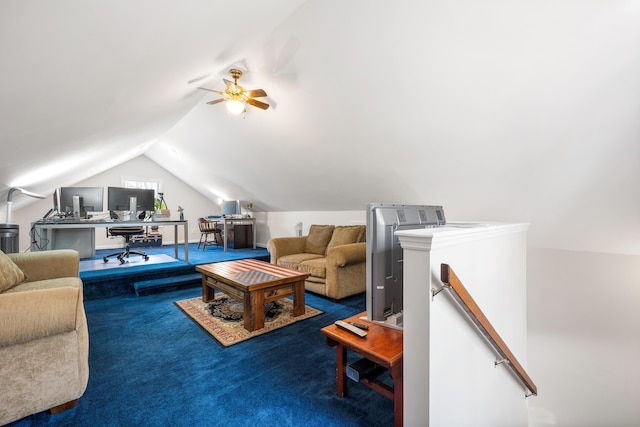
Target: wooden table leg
x,y
298,298
341,372
208,293
254,310
398,394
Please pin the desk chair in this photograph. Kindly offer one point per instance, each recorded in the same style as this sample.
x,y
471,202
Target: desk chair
x,y
208,227
126,232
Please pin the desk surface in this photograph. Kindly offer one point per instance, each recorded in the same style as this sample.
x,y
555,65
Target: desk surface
x,y
222,219
104,223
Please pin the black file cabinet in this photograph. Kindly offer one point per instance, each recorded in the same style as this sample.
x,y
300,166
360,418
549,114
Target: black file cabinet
x,y
240,236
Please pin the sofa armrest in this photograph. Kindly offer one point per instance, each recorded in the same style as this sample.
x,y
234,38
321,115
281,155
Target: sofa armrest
x,y
48,264
30,315
282,246
351,253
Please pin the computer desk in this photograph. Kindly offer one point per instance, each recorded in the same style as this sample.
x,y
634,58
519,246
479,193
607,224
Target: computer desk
x,y
227,222
45,232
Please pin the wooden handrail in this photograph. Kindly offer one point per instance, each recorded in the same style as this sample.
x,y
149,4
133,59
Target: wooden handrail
x,y
463,298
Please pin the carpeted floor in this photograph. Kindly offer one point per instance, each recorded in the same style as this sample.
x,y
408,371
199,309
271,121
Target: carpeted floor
x,y
150,365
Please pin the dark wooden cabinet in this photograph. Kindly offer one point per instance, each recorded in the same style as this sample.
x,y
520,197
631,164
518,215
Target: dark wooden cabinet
x,y
240,236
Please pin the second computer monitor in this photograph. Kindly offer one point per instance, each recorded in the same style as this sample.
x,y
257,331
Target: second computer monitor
x,y
121,199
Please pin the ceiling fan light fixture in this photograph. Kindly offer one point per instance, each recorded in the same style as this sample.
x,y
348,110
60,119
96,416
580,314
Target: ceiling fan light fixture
x,y
237,97
235,106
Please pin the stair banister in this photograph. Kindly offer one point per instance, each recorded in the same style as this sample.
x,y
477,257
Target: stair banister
x,y
462,297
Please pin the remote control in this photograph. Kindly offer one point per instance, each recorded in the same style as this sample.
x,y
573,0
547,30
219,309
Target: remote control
x,y
350,328
359,325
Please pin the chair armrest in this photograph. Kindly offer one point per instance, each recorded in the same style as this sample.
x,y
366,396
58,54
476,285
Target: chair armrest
x,y
351,253
30,315
282,246
48,264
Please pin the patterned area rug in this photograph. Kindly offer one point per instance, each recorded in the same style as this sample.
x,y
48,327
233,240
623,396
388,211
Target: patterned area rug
x,y
222,318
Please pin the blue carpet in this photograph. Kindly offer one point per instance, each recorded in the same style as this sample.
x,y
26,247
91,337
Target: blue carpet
x,y
150,365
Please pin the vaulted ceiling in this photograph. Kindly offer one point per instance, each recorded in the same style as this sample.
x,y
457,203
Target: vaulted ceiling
x,y
495,109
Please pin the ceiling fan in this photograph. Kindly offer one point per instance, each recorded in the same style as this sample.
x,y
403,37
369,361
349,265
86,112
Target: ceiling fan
x,y
236,96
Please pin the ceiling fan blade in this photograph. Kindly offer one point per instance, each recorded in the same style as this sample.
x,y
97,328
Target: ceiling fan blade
x,y
215,101
256,93
229,83
211,90
257,103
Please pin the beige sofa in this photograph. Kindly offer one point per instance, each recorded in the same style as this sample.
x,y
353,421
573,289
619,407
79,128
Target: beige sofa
x,y
334,256
44,342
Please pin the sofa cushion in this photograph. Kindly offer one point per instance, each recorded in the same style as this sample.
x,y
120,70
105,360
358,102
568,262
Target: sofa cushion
x,y
345,234
315,267
10,273
56,282
318,239
292,261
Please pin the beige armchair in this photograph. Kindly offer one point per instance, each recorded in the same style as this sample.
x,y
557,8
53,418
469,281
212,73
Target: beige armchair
x,y
44,342
334,256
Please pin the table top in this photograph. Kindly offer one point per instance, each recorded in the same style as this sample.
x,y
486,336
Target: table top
x,y
239,219
251,273
382,344
104,223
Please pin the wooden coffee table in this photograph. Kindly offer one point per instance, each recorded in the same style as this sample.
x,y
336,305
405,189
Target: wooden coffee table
x,y
254,283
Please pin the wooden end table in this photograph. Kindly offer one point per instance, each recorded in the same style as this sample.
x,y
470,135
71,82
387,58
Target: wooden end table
x,y
382,345
254,283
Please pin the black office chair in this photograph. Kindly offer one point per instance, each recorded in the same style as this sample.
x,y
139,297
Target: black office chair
x,y
126,232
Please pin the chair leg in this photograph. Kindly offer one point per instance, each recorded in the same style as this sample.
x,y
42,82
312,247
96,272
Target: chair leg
x,y
121,255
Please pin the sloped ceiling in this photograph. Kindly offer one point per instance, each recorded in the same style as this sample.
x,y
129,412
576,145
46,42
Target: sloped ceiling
x,y
86,85
501,110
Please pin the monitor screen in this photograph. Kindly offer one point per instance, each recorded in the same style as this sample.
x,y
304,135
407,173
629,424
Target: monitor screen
x,y
88,199
230,207
119,199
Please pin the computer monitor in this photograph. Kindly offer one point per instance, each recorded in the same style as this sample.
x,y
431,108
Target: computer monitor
x,y
77,201
385,255
230,207
130,199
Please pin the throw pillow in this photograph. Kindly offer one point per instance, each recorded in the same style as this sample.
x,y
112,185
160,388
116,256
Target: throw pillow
x,y
344,234
318,239
10,273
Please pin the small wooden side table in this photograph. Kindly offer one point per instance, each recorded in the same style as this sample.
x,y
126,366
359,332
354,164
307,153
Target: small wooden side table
x,y
382,345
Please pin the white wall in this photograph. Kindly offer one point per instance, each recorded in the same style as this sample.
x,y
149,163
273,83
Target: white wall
x,y
584,338
284,224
